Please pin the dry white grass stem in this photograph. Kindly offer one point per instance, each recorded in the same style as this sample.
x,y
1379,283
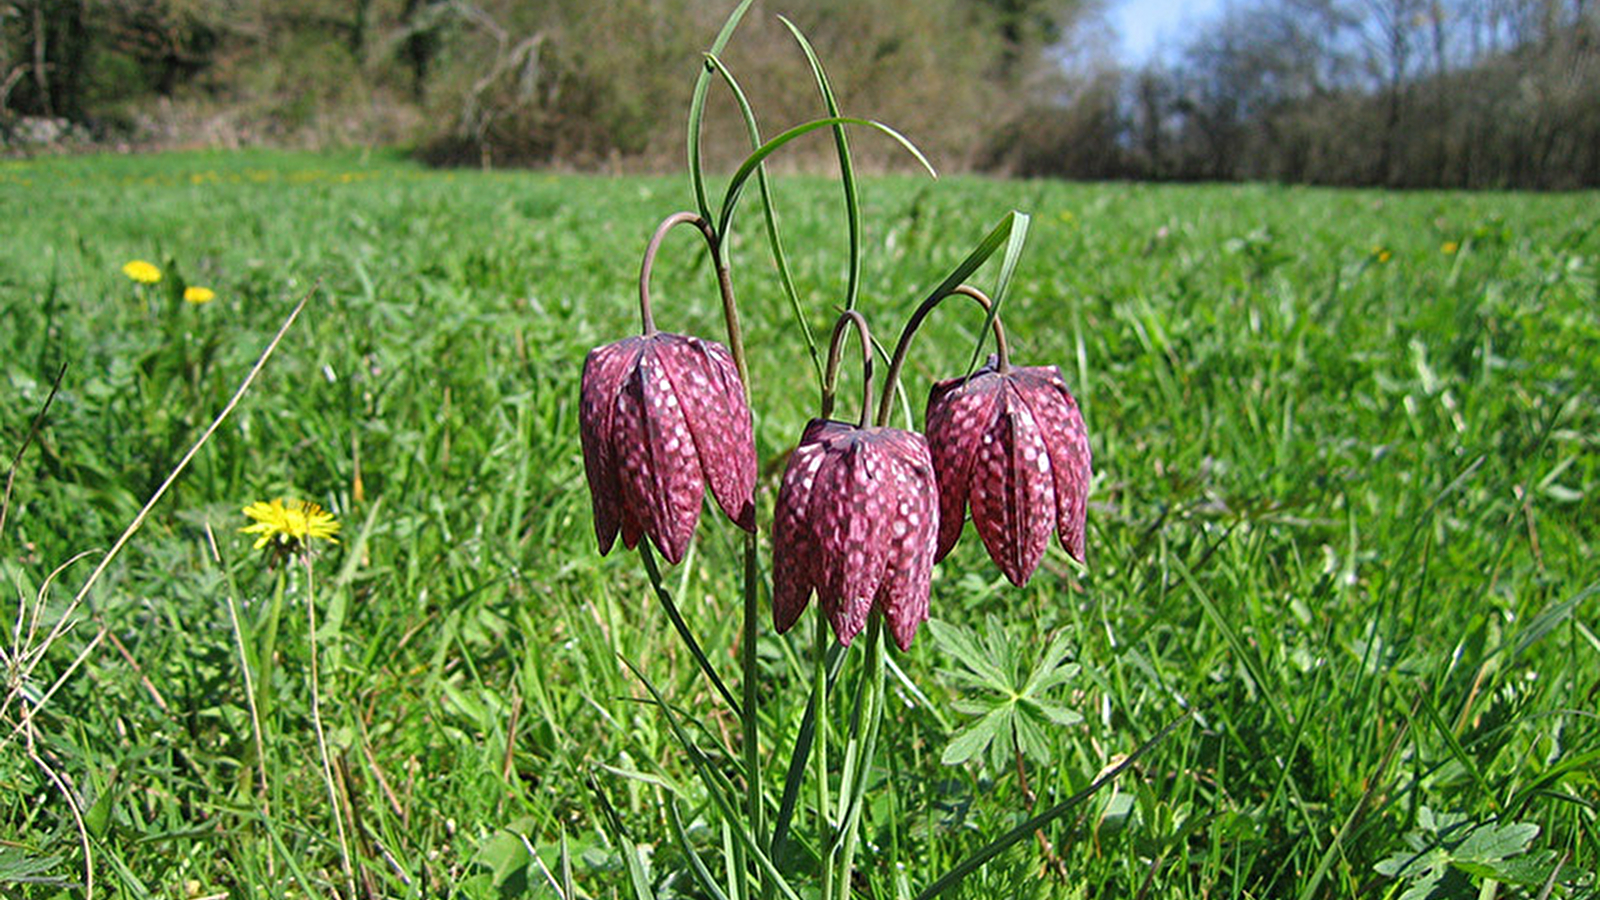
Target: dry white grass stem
x,y
35,654
27,652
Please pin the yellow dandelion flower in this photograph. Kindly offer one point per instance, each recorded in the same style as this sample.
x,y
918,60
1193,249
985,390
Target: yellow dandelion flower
x,y
1448,248
142,272
294,524
197,295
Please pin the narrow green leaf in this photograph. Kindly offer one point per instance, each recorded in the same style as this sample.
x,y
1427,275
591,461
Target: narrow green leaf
x,y
697,109
630,852
696,865
799,758
665,596
769,210
1015,238
979,255
847,172
751,162
721,791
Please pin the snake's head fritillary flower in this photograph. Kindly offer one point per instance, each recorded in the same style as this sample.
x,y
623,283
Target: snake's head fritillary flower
x,y
661,417
1010,441
856,521
290,525
141,271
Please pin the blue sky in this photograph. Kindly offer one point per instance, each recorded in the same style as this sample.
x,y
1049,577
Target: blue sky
x,y
1148,26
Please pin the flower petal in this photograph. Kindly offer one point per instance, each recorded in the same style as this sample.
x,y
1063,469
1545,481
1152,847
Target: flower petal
x,y
1070,460
847,513
1013,506
660,475
911,535
958,412
707,383
603,372
794,558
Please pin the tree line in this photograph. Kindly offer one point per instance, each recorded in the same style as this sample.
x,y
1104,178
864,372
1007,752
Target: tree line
x,y
1408,93
1400,93
531,82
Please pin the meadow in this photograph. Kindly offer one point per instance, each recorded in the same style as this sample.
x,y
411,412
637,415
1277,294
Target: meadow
x,y
1342,525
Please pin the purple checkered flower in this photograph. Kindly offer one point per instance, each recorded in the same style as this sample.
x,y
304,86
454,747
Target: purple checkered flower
x,y
662,416
1010,441
855,522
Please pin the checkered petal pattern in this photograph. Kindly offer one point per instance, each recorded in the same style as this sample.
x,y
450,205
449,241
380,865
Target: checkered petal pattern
x,y
661,417
1011,446
856,524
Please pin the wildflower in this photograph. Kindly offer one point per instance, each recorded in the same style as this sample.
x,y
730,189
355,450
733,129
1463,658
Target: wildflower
x,y
856,521
662,416
293,524
1381,253
1011,441
142,272
1448,248
198,295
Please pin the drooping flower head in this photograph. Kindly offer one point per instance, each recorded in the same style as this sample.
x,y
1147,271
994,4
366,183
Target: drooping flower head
x,y
856,521
1011,442
290,525
661,417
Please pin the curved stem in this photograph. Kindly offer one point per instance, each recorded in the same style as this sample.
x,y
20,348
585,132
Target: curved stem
x,y
647,320
835,347
730,309
897,362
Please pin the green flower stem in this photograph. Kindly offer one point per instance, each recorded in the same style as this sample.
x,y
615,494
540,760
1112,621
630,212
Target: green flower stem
x,y
269,649
819,693
862,746
322,738
755,800
667,603
800,756
755,803
835,348
903,346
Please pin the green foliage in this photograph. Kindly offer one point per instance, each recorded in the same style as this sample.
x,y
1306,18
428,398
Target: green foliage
x,y
1007,691
1448,852
1381,474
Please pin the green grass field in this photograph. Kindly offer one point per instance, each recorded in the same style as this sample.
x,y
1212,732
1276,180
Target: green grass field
x,y
1345,511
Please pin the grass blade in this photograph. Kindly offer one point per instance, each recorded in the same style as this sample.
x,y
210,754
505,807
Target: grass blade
x,y
1026,829
722,792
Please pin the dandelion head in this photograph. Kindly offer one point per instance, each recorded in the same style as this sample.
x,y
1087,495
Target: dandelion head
x,y
290,525
1448,248
141,271
198,295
